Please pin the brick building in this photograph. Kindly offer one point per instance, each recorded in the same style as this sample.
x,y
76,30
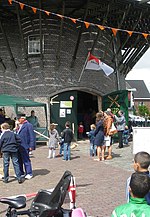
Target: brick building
x,y
44,46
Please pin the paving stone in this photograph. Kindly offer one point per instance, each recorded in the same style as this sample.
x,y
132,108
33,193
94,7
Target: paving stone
x,y
100,185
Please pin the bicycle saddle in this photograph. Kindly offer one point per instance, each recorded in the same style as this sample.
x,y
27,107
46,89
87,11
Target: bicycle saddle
x,y
17,202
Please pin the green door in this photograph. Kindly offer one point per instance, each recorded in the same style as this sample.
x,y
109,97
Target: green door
x,y
63,107
117,100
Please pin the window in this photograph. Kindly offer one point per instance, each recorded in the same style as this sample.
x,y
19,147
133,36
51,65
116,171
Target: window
x,y
34,44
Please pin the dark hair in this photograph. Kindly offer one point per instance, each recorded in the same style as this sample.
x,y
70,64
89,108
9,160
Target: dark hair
x,y
99,115
143,158
67,124
140,184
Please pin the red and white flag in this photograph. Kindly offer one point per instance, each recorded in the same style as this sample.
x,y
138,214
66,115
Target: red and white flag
x,y
94,63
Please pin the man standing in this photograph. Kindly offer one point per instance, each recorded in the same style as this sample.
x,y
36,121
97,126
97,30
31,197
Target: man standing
x,y
33,120
120,124
26,133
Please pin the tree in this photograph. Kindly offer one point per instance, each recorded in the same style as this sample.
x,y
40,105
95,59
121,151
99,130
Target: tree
x,y
143,110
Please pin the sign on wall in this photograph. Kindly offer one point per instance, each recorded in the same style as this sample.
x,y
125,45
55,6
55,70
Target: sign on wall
x,y
141,139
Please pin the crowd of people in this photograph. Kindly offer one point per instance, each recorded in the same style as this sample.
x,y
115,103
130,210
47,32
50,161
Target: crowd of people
x,y
101,133
17,144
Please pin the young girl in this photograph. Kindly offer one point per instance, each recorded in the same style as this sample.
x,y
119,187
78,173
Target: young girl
x,y
53,141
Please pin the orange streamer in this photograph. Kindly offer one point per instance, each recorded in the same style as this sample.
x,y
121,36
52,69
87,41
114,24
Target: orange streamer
x,y
101,27
21,6
114,31
10,2
34,10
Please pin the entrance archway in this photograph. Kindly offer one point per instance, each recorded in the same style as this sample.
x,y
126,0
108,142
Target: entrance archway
x,y
74,106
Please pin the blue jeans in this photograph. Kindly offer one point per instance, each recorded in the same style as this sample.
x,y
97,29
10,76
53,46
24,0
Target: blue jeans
x,y
6,161
67,151
61,148
92,149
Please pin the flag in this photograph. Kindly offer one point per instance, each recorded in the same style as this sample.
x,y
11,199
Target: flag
x,y
96,64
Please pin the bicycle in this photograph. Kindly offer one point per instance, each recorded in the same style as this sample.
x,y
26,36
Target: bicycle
x,y
45,203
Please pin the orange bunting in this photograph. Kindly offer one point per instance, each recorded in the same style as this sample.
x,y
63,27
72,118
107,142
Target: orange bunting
x,y
145,35
130,32
47,12
21,5
101,27
34,10
114,31
86,24
10,2
61,16
73,20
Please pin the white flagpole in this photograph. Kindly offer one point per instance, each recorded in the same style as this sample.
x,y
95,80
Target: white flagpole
x,y
84,67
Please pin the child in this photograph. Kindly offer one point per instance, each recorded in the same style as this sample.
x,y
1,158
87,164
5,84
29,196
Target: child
x,y
137,206
67,135
9,144
53,141
141,164
91,138
80,130
126,135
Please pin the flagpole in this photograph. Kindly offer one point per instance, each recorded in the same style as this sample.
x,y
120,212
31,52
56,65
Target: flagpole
x,y
84,67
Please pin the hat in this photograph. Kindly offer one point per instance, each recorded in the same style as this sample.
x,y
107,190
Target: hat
x,y
21,116
53,124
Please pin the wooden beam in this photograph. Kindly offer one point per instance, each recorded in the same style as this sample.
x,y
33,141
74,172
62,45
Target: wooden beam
x,y
100,33
60,36
2,64
79,36
22,38
7,44
133,28
41,36
112,38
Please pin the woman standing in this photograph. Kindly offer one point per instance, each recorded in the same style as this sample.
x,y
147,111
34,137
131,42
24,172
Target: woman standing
x,y
99,136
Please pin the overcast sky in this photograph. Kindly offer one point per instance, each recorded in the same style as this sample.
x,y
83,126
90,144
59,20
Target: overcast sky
x,y
141,70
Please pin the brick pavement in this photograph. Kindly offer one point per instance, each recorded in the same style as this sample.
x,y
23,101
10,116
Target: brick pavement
x,y
100,185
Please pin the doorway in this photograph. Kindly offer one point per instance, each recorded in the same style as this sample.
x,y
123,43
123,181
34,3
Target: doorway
x,y
87,106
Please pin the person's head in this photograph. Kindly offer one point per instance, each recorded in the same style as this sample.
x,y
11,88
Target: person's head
x,y
52,126
99,115
139,185
21,118
109,109
126,127
67,124
92,126
5,126
141,161
1,111
120,112
32,113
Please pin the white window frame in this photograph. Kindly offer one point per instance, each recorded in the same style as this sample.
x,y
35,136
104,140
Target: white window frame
x,y
34,44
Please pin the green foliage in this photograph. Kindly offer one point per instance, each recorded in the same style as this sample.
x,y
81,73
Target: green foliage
x,y
143,110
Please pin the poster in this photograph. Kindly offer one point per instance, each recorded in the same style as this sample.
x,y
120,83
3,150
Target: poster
x,y
62,113
65,104
141,139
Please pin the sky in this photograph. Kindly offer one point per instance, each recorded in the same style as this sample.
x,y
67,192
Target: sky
x,y
141,71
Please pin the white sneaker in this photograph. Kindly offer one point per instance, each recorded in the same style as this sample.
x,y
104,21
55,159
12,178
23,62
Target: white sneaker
x,y
28,176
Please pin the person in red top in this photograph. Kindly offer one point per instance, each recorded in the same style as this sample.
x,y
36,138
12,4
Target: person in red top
x,y
80,130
